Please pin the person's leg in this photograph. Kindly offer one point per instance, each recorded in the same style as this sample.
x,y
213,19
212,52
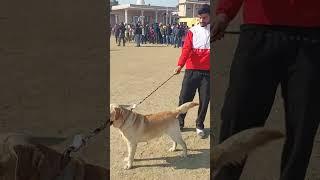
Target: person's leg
x,y
175,41
189,87
254,77
157,38
124,41
136,39
204,97
139,40
119,41
301,93
178,42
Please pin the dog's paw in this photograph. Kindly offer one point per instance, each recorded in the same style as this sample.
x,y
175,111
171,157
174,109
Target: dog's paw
x,y
127,166
172,149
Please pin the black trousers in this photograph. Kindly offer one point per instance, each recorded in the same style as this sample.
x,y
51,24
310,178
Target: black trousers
x,y
117,37
267,56
195,80
123,40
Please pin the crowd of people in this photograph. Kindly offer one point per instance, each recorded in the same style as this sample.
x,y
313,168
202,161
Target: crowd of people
x,y
157,33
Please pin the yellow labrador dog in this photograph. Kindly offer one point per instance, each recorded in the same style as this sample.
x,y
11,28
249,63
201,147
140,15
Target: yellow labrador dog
x,y
21,159
136,127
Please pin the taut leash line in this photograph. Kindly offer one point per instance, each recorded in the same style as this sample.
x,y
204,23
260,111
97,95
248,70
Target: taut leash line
x,y
135,105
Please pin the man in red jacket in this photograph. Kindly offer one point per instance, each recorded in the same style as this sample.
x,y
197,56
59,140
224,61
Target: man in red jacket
x,y
196,56
279,44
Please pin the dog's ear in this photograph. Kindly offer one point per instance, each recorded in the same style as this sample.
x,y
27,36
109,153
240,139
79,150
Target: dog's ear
x,y
118,113
115,112
117,117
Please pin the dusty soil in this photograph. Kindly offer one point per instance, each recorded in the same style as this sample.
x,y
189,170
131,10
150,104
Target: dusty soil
x,y
135,72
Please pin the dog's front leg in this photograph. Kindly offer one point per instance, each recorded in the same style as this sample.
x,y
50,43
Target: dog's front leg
x,y
131,151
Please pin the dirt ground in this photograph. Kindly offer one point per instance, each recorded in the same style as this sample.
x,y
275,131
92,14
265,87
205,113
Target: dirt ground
x,y
135,72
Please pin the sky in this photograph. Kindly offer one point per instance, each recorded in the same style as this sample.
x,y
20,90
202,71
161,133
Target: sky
x,y
170,3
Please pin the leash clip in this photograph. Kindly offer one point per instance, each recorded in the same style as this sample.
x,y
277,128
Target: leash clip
x,y
77,143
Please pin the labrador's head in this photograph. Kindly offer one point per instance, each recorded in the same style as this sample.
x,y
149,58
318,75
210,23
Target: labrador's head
x,y
116,115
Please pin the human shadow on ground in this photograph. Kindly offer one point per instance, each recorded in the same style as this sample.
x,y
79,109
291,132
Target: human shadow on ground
x,y
193,161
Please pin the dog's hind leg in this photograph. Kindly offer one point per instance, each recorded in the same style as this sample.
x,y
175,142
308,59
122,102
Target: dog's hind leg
x,y
174,146
132,147
177,138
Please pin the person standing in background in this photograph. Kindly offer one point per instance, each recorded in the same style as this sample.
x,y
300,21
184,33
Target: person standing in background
x,y
122,30
196,56
168,34
138,32
116,32
143,34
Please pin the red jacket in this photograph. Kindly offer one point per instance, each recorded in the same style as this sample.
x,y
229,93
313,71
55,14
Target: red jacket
x,y
196,49
300,13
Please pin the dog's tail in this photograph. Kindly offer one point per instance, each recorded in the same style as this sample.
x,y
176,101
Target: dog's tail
x,y
185,107
234,149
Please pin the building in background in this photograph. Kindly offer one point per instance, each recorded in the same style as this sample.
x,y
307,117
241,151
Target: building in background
x,y
113,3
188,11
189,8
112,15
144,13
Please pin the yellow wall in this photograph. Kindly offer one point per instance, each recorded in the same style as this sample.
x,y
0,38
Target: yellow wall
x,y
189,21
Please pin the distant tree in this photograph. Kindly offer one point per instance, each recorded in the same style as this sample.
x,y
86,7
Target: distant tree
x,y
113,3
